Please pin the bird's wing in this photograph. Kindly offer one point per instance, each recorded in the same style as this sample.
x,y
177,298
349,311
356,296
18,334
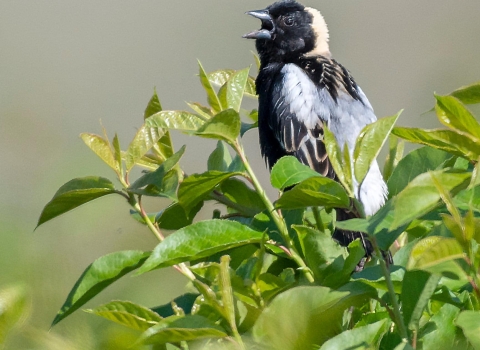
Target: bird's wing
x,y
306,97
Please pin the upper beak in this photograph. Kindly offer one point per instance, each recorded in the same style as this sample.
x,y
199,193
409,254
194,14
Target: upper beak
x,y
267,25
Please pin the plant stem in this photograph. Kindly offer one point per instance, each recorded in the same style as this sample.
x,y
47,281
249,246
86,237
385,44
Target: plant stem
x,y
182,267
279,222
318,218
398,318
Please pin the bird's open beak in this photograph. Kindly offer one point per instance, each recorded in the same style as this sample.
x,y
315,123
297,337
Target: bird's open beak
x,y
267,25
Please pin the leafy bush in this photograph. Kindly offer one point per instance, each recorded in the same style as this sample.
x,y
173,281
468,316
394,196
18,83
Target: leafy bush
x,y
267,275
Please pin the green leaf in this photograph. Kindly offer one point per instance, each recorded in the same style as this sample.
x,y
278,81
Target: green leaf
x,y
288,171
117,154
212,97
177,329
154,106
102,149
413,164
200,240
373,276
469,322
238,192
75,193
394,156
127,314
145,138
203,111
156,177
14,308
196,187
338,163
434,250
445,140
220,77
98,276
418,287
366,337
369,143
453,114
174,216
320,251
185,302
315,191
321,311
224,126
175,120
468,94
231,92
220,159
421,195
443,337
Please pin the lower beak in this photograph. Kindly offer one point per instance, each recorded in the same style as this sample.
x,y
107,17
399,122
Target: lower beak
x,y
267,22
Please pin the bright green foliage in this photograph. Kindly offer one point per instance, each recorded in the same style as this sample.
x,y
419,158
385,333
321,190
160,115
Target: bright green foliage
x,y
266,274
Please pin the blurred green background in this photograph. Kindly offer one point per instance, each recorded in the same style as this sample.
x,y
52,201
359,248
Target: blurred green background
x,y
66,65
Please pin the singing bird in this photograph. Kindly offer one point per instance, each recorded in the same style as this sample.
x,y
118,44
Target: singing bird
x,y
301,90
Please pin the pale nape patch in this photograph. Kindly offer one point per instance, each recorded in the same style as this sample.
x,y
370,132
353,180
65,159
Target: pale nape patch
x,y
321,30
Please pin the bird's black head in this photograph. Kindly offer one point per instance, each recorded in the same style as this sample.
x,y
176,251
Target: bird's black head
x,y
289,30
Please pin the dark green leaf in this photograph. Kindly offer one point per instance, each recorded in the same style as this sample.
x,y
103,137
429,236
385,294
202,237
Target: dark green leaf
x,y
220,159
373,276
127,314
418,287
366,337
369,143
238,192
321,311
213,100
185,302
288,171
468,94
156,177
320,251
315,191
174,216
196,187
445,140
413,164
154,106
394,156
98,276
75,193
200,240
469,322
177,329
453,114
231,92
223,126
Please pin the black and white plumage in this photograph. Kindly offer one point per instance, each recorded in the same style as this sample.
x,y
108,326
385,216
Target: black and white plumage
x,y
301,89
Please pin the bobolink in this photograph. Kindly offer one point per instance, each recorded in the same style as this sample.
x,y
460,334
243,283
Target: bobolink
x,y
301,89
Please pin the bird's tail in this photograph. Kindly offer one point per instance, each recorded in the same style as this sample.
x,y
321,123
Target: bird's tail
x,y
345,237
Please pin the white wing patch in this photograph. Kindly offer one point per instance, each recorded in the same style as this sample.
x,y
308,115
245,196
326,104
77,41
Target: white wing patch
x,y
345,117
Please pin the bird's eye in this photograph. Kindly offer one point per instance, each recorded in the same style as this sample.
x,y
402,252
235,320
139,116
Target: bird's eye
x,y
289,21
